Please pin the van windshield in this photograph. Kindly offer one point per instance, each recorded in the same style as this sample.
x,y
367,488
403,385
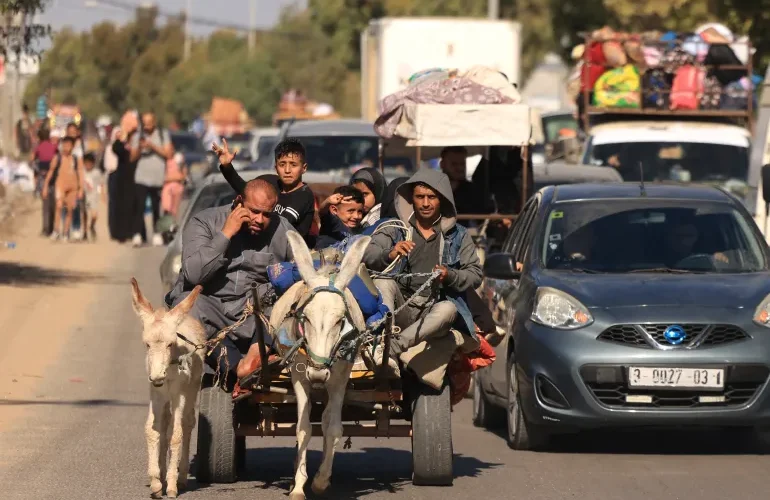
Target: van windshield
x,y
717,164
621,236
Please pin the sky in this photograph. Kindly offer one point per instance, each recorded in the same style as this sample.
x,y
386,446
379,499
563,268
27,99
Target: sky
x,y
82,14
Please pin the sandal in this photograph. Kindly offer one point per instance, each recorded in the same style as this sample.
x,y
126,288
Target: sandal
x,y
254,377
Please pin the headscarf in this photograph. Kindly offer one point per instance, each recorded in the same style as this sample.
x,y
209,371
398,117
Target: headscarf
x,y
377,184
373,179
388,209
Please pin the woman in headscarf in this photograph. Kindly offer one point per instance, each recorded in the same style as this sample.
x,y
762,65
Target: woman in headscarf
x,y
372,184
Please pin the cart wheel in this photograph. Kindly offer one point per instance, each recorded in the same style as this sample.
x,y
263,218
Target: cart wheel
x,y
217,449
432,437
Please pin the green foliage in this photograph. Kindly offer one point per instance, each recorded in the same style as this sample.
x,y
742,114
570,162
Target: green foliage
x,y
18,33
317,50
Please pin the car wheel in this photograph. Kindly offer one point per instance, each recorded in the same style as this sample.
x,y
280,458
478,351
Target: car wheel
x,y
521,435
485,414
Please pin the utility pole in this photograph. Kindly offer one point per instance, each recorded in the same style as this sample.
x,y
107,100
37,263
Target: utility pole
x,y
493,9
187,35
252,25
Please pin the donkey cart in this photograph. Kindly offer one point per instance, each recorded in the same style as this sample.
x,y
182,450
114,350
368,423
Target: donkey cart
x,y
372,404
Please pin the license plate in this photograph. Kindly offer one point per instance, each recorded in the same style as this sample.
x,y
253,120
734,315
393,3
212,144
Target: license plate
x,y
684,378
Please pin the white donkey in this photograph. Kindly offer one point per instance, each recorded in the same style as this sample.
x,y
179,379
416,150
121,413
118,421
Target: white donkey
x,y
325,307
175,369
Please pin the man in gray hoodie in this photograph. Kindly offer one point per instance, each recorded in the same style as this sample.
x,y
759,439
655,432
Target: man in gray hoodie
x,y
426,204
226,249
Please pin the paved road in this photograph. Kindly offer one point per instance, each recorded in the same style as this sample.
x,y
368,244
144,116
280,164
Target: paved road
x,y
77,433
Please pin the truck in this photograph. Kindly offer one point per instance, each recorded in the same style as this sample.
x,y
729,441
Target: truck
x,y
649,136
393,49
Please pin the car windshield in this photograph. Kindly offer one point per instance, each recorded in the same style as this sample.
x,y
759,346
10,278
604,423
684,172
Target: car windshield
x,y
187,143
214,195
717,164
555,126
335,153
239,142
266,145
621,236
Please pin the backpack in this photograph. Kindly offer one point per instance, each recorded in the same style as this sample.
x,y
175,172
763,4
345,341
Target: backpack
x,y
58,164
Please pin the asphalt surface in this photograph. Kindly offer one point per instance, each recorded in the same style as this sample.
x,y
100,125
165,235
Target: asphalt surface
x,y
81,437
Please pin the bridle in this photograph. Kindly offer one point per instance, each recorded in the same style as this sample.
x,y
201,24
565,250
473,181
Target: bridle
x,y
345,347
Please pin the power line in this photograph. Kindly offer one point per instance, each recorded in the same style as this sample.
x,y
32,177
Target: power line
x,y
200,21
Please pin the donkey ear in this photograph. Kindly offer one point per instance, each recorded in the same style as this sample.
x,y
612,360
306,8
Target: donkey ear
x,y
302,256
142,306
178,313
351,261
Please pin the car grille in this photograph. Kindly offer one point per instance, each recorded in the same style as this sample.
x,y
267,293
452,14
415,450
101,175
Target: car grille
x,y
741,385
653,335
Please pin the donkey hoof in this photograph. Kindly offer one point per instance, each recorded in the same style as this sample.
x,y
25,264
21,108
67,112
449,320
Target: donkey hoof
x,y
319,487
156,489
172,493
296,496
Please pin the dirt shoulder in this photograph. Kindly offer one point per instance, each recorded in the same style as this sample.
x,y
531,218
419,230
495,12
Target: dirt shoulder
x,y
46,290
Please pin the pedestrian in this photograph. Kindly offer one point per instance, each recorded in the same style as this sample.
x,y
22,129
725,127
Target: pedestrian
x,y
68,173
93,187
44,154
23,134
72,131
173,187
111,162
151,148
123,196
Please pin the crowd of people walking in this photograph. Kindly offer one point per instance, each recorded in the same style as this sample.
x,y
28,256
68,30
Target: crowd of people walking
x,y
129,166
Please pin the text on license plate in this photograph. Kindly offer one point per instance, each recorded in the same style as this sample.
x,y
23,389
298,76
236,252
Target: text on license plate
x,y
639,376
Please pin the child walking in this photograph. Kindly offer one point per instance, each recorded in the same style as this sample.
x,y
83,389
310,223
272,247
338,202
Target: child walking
x,y
68,186
94,192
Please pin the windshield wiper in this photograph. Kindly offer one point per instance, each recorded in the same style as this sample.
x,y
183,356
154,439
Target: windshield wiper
x,y
584,270
664,270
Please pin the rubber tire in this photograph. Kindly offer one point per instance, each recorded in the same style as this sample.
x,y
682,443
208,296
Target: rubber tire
x,y
520,433
432,453
485,414
217,457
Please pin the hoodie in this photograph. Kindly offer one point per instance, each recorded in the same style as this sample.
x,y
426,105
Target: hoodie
x,y
454,249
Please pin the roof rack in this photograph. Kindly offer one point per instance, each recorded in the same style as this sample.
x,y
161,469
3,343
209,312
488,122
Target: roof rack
x,y
591,114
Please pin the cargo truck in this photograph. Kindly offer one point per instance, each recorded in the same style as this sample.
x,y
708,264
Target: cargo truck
x,y
393,49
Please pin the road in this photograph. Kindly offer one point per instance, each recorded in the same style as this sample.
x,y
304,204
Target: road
x,y
73,399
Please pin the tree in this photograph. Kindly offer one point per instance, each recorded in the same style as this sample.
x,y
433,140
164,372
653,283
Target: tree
x,y
19,34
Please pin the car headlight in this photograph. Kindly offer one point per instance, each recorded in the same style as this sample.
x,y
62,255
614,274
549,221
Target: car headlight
x,y
176,264
762,314
556,309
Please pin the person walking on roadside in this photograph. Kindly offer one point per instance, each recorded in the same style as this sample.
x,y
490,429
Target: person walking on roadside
x,y
69,175
122,195
151,148
43,156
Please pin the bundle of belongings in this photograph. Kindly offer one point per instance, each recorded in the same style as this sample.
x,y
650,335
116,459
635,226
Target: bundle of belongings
x,y
699,70
478,85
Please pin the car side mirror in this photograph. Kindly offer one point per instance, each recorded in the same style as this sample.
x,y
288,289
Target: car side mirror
x,y
766,183
501,266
